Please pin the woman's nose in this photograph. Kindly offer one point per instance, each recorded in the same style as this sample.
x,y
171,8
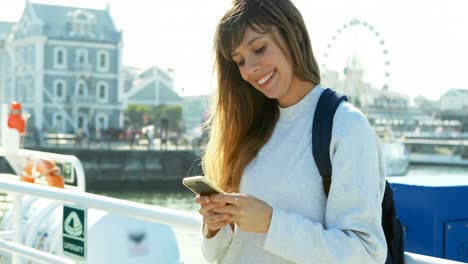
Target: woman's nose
x,y
252,66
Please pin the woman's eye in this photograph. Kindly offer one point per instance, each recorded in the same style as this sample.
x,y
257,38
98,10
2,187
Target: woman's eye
x,y
241,63
260,50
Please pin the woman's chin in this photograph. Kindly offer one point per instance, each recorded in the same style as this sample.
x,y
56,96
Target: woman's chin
x,y
269,93
269,96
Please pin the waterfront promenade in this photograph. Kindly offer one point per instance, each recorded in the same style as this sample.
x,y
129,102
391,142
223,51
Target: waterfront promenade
x,y
69,141
136,165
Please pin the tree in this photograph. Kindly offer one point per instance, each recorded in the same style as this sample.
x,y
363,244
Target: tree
x,y
134,114
173,113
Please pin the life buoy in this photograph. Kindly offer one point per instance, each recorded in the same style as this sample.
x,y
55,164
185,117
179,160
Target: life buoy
x,y
45,167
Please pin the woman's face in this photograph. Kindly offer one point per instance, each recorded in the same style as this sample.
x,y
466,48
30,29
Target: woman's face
x,y
266,67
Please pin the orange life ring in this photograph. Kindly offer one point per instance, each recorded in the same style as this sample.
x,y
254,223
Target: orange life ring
x,y
45,167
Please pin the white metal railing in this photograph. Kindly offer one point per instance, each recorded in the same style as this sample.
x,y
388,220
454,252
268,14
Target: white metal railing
x,y
32,254
156,214
6,234
151,213
411,258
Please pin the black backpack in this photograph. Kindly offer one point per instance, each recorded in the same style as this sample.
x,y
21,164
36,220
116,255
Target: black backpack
x,y
321,137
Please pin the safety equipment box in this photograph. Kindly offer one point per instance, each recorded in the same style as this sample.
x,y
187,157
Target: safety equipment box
x,y
434,213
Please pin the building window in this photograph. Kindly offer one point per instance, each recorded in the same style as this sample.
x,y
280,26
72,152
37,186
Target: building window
x,y
81,57
59,90
85,28
58,122
82,122
102,121
81,23
20,62
30,58
60,58
81,60
103,61
81,89
25,91
20,92
103,92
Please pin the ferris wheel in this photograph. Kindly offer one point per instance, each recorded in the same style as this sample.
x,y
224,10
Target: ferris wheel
x,y
371,36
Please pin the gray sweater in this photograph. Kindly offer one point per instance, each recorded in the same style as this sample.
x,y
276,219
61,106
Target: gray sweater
x,y
306,226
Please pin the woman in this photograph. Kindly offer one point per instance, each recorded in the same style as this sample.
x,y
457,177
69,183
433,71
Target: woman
x,y
259,152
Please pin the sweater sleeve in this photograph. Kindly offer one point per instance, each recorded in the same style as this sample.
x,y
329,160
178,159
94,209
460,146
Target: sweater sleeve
x,y
352,231
214,248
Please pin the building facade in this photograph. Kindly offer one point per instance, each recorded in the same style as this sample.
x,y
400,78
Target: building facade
x,y
64,64
151,87
454,99
195,111
5,28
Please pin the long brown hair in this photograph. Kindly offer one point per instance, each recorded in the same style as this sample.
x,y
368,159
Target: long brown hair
x,y
242,118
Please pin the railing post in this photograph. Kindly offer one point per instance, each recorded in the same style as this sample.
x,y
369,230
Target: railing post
x,y
17,229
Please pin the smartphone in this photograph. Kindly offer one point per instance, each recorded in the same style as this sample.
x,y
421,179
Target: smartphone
x,y
201,185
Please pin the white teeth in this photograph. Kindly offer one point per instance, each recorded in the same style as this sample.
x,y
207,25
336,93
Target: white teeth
x,y
266,78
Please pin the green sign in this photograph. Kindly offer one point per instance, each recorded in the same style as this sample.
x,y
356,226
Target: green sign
x,y
74,232
66,169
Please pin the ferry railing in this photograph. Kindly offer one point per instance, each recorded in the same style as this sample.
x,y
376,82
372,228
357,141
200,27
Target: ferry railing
x,y
151,213
174,218
32,254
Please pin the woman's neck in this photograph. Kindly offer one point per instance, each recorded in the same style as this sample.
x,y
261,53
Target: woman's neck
x,y
298,90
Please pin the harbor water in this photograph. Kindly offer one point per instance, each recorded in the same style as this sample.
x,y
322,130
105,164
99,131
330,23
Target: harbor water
x,y
189,242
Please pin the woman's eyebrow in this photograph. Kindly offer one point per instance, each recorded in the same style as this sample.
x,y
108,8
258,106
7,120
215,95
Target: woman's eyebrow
x,y
233,54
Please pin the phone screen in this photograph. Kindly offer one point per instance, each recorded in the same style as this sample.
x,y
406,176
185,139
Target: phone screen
x,y
200,187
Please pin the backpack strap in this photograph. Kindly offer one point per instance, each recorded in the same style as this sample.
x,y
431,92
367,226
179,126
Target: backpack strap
x,y
321,133
321,138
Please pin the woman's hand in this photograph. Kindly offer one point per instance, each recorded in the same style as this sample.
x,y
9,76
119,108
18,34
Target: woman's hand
x,y
212,221
249,213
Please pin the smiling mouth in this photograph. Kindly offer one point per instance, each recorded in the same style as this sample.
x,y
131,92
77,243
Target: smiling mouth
x,y
266,78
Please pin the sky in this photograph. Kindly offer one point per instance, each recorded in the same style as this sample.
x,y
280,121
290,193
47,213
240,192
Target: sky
x,y
426,39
